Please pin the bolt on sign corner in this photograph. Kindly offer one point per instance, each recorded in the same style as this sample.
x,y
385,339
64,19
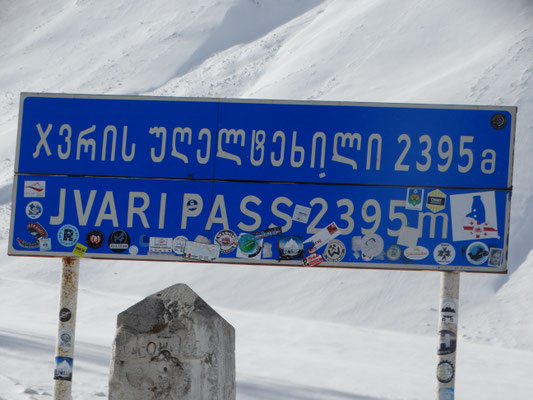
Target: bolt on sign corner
x,y
310,184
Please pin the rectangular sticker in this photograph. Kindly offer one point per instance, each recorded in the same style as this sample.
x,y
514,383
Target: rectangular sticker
x,y
474,216
79,250
313,260
323,236
201,251
265,233
160,245
45,244
34,188
408,236
301,213
414,199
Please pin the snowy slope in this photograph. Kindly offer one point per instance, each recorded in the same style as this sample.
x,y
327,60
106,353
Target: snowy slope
x,y
348,323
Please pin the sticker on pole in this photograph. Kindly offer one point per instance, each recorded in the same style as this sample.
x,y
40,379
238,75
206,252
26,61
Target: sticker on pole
x,y
63,369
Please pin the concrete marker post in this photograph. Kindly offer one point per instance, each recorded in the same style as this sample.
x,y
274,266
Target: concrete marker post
x,y
66,328
448,320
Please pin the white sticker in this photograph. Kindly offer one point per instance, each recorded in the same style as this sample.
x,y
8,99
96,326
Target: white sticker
x,y
414,199
202,239
34,188
372,245
474,216
201,251
444,253
323,236
160,245
408,236
34,209
267,250
335,251
356,246
65,338
416,253
301,213
449,310
178,245
45,244
134,250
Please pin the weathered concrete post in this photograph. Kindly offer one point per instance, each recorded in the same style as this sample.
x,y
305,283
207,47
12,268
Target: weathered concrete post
x,y
173,345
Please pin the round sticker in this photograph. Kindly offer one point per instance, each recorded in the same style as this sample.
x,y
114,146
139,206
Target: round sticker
x,y
133,250
68,235
144,241
65,315
445,371
119,241
247,243
178,245
192,205
444,253
335,251
95,239
227,240
64,338
394,252
477,253
372,245
34,209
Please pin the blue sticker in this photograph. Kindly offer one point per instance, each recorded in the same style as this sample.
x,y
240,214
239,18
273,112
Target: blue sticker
x,y
247,243
477,253
446,394
144,241
192,205
63,369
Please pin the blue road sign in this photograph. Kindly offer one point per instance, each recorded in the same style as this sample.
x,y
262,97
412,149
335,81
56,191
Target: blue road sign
x,y
290,183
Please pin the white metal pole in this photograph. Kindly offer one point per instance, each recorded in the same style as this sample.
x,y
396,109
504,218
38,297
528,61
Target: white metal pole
x,y
448,320
66,328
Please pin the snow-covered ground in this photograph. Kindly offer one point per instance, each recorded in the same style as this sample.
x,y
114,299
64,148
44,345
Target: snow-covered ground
x,y
301,333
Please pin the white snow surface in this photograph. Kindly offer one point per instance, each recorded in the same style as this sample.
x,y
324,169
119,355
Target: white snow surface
x,y
301,333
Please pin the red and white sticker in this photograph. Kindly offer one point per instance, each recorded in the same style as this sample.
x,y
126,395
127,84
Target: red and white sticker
x,y
160,245
323,236
313,260
34,188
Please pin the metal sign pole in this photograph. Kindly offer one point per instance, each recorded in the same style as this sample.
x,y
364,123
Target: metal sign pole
x,y
66,328
448,319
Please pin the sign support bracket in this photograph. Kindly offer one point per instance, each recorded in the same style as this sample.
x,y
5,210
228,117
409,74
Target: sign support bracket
x,y
66,328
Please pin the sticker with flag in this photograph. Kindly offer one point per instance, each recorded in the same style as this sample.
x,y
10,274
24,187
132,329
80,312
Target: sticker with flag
x,y
474,216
